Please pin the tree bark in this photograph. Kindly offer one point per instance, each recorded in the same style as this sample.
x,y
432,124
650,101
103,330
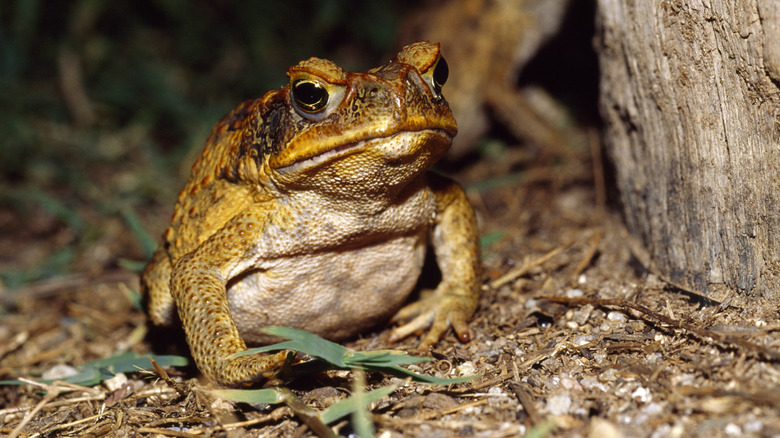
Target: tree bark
x,y
691,104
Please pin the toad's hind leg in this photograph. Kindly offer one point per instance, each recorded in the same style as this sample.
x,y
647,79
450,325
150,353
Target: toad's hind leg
x,y
155,287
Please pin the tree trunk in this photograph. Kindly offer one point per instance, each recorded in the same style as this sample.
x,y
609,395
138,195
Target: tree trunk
x,y
691,104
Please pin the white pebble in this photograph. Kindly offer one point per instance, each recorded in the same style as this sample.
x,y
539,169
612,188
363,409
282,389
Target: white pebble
x,y
116,382
733,429
642,394
59,372
559,404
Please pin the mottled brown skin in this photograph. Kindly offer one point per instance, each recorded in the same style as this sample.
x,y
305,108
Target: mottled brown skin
x,y
316,215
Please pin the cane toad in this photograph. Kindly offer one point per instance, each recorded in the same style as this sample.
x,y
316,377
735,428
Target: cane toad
x,y
312,207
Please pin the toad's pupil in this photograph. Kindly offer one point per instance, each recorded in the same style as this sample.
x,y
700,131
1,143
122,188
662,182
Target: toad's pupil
x,y
310,96
441,73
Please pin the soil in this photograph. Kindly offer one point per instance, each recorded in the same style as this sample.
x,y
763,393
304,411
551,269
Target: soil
x,y
573,337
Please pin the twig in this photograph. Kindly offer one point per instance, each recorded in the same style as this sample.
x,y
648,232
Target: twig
x,y
449,424
679,324
72,87
525,398
425,416
593,246
273,416
15,343
169,432
528,404
53,392
74,423
527,266
454,409
542,355
770,397
69,401
48,288
308,415
180,389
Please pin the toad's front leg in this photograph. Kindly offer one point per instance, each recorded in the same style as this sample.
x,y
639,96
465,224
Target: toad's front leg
x,y
455,239
198,286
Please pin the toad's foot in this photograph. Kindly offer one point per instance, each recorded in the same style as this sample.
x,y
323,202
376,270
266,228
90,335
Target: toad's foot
x,y
247,370
437,312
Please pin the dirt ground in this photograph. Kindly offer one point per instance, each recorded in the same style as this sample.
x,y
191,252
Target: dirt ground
x,y
573,337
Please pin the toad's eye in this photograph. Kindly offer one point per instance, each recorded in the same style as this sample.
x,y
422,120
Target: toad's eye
x,y
309,96
440,74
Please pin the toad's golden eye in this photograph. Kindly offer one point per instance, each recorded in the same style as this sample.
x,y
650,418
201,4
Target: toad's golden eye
x,y
309,96
440,74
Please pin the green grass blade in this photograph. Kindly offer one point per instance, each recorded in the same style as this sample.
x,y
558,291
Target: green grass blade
x,y
145,240
130,365
383,361
491,238
404,373
131,362
380,358
92,373
109,361
362,423
346,407
304,342
267,396
68,214
86,377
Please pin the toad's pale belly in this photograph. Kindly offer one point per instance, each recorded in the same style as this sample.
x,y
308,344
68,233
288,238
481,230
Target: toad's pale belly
x,y
334,294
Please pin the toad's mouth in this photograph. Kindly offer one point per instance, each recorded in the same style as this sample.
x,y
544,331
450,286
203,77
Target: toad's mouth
x,y
391,147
